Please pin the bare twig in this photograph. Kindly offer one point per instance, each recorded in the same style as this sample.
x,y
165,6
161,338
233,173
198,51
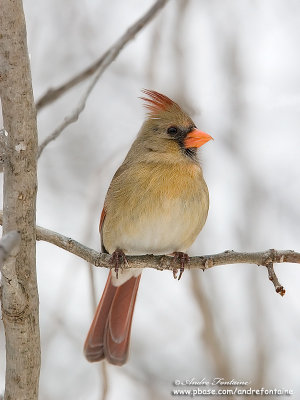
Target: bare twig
x,y
73,117
105,60
72,246
99,67
273,278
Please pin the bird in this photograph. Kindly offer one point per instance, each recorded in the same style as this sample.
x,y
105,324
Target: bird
x,y
157,203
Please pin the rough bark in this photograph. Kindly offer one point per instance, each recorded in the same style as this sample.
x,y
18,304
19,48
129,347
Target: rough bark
x,y
20,315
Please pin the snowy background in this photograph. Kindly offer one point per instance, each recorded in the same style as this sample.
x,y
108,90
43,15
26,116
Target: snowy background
x,y
235,66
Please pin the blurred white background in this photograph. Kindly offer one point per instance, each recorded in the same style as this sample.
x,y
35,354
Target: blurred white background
x,y
235,66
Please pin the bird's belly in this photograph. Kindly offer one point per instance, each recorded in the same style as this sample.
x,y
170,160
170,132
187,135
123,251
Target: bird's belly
x,y
162,234
172,225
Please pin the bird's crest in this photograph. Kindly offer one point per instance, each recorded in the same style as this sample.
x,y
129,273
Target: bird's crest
x,y
157,103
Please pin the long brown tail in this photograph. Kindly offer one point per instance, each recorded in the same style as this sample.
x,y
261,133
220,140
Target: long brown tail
x,y
109,334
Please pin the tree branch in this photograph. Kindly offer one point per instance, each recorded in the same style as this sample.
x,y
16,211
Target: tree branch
x,y
105,60
266,258
166,262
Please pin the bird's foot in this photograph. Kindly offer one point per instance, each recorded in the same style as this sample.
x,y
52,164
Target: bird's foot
x,y
182,258
118,259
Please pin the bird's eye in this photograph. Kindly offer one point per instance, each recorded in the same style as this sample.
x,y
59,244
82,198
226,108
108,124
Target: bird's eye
x,y
172,130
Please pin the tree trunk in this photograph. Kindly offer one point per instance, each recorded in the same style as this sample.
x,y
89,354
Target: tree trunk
x,y
20,306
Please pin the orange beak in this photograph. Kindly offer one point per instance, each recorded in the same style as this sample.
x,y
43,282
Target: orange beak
x,y
196,138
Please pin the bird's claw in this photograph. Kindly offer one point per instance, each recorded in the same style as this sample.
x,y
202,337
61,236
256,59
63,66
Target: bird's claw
x,y
118,258
182,258
175,273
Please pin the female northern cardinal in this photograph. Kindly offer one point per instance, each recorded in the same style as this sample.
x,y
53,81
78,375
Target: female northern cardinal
x,y
157,203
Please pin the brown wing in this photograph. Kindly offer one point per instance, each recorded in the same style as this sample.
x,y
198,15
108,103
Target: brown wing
x,y
102,218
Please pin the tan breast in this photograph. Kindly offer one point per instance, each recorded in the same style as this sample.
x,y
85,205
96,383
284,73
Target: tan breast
x,y
155,208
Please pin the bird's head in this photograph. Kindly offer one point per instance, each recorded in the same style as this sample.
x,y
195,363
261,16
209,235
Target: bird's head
x,y
168,128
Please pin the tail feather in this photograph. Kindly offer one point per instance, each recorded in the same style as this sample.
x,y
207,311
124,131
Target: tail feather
x,y
109,334
94,344
118,325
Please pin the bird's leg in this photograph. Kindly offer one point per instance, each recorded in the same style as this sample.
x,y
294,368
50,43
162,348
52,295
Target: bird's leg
x,y
183,258
118,258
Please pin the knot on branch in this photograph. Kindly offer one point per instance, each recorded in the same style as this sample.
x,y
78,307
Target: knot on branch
x,y
208,263
274,256
13,312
